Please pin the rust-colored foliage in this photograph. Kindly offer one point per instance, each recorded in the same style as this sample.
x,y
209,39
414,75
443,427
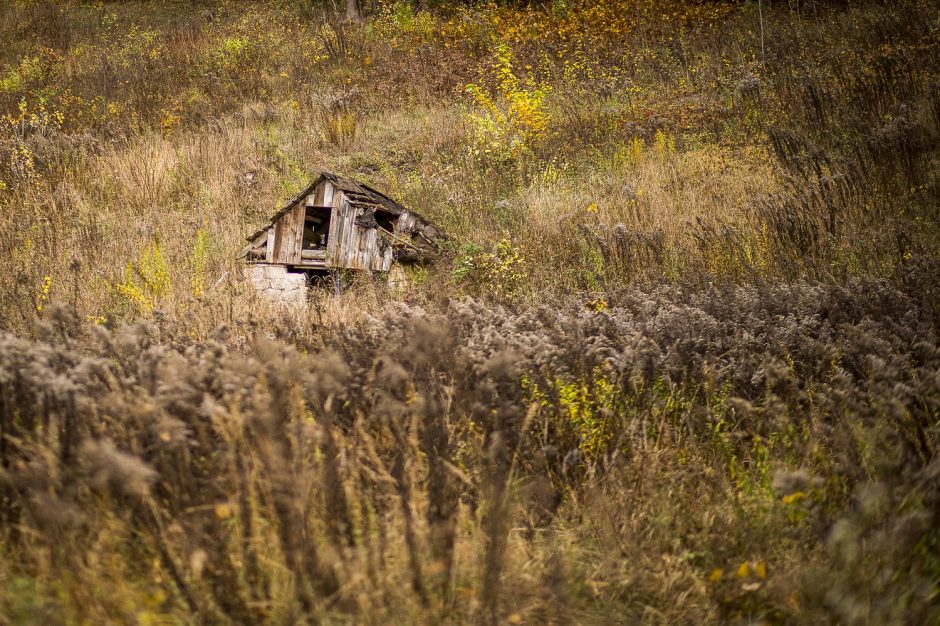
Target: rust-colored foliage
x,y
381,472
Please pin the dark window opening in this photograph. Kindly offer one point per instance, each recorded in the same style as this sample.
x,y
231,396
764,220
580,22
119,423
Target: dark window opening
x,y
386,220
317,227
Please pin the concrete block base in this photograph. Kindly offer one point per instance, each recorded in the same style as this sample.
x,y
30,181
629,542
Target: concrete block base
x,y
275,283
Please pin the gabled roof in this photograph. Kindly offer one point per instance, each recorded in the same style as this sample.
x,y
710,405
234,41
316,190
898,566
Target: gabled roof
x,y
360,194
357,193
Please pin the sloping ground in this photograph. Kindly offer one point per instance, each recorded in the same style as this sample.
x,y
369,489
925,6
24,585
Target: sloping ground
x,y
564,147
672,455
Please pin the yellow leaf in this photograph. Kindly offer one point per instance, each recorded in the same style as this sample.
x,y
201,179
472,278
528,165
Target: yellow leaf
x,y
715,576
744,570
155,599
796,496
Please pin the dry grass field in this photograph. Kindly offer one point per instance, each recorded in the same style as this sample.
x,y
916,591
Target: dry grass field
x,y
679,363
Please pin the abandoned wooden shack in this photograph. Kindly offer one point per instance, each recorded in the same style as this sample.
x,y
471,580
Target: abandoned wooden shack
x,y
334,224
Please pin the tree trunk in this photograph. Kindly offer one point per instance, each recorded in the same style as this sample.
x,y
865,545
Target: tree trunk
x,y
353,11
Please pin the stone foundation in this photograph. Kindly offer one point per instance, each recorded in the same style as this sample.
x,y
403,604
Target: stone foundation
x,y
275,283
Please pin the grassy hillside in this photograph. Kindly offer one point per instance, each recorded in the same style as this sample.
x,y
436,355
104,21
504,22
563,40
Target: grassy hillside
x,y
679,363
565,148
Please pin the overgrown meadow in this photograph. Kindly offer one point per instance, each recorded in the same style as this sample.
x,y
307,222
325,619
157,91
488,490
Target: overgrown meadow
x,y
679,362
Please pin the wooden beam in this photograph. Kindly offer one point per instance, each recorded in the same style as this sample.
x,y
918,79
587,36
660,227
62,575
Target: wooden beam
x,y
269,249
399,239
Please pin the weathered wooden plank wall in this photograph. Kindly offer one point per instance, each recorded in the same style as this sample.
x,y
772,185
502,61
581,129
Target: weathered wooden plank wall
x,y
349,240
322,195
334,239
289,234
269,246
358,245
286,244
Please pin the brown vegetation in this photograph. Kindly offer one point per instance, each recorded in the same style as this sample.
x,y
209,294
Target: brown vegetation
x,y
679,365
686,454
